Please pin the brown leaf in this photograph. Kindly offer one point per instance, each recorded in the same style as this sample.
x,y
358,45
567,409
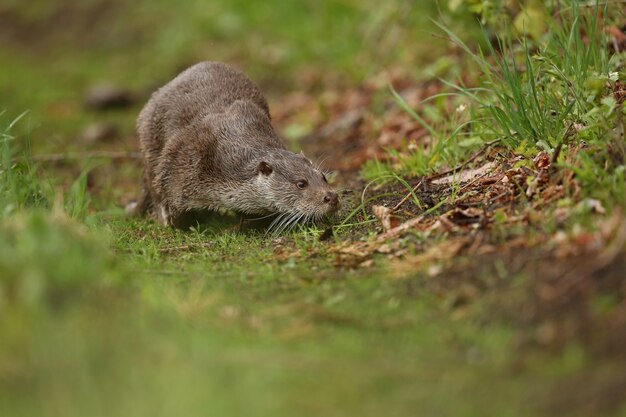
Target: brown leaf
x,y
464,217
385,217
467,175
542,160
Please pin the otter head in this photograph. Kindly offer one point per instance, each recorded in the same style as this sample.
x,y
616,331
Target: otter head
x,y
291,184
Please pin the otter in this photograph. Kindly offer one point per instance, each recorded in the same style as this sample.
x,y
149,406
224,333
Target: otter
x,y
208,144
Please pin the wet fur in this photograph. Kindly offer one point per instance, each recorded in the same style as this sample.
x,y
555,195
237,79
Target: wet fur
x,y
206,139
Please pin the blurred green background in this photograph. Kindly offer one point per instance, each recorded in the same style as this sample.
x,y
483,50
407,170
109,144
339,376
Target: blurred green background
x,y
54,51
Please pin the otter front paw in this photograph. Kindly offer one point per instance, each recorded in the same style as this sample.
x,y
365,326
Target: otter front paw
x,y
163,215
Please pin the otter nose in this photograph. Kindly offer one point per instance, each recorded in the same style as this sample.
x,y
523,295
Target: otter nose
x,y
331,198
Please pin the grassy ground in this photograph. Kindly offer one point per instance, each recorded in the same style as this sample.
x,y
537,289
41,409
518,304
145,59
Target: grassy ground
x,y
518,314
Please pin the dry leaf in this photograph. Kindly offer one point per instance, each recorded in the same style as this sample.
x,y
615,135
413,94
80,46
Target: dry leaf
x,y
467,175
385,217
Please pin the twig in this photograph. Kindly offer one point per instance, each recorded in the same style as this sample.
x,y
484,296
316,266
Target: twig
x,y
404,200
60,157
463,164
444,173
474,181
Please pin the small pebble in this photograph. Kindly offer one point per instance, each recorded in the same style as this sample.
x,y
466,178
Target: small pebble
x,y
107,96
99,132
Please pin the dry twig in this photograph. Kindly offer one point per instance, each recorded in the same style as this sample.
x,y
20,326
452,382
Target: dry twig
x,y
447,172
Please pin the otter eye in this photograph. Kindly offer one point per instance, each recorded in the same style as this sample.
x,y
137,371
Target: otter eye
x,y
324,178
302,184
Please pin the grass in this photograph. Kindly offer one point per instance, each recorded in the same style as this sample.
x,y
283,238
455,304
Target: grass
x,y
104,315
524,108
551,93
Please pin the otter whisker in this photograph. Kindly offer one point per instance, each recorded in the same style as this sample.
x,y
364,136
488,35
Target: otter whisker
x,y
318,164
303,215
279,228
279,225
274,222
283,223
292,222
264,217
277,222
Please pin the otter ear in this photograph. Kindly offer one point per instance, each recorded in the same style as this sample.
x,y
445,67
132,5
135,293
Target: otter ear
x,y
304,156
265,168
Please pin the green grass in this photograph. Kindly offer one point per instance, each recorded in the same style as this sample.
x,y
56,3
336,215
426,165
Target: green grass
x,y
536,102
554,93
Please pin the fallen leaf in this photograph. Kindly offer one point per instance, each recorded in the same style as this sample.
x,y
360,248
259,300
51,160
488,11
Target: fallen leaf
x,y
467,175
542,160
385,217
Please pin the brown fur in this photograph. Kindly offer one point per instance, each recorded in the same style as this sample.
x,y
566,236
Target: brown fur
x,y
208,144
